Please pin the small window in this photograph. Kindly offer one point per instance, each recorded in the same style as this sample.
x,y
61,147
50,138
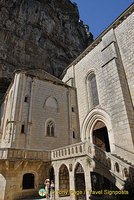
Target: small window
x,y
50,128
72,109
73,134
26,99
28,181
22,128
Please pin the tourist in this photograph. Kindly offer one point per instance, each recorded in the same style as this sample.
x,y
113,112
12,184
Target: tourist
x,y
52,190
47,186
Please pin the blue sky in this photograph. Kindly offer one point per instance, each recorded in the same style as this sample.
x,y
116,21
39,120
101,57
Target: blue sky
x,y
99,14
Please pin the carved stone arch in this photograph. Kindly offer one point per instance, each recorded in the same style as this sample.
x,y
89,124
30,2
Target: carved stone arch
x,y
64,183
79,168
89,122
80,185
51,102
77,163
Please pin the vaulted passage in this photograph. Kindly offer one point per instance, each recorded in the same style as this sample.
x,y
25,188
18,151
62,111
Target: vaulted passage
x,y
64,181
100,136
28,181
80,182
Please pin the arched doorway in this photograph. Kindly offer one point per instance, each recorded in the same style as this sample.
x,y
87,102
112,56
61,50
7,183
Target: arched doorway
x,y
28,181
64,187
100,136
51,174
80,183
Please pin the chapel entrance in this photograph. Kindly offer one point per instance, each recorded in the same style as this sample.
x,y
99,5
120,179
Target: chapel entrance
x,y
100,136
80,183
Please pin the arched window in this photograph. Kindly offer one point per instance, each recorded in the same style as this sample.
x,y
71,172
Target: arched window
x,y
50,128
93,92
28,181
64,181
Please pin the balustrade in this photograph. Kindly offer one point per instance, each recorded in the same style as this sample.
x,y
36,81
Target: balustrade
x,y
113,164
10,153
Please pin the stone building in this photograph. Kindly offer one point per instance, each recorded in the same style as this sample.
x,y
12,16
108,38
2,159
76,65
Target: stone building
x,y
78,131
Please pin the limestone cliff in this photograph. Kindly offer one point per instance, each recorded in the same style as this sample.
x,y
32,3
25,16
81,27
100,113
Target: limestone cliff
x,y
39,34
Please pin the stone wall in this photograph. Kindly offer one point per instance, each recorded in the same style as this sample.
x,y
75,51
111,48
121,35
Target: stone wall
x,y
110,59
12,178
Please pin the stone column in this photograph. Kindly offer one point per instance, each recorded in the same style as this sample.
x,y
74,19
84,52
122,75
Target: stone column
x,y
88,183
72,183
56,170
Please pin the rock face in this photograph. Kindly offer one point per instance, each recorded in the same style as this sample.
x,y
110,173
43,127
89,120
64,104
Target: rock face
x,y
39,34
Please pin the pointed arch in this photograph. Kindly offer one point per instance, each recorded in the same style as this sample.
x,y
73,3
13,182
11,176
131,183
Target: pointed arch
x,y
92,90
89,122
80,181
64,181
52,103
100,136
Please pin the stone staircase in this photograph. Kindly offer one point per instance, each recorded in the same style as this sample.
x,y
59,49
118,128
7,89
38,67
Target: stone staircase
x,y
118,166
122,159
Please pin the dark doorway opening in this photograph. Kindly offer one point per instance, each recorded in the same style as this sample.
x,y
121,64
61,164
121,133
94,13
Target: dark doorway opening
x,y
80,183
100,136
28,181
51,174
100,183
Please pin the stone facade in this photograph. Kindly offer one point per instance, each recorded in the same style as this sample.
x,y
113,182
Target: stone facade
x,y
32,100
79,131
109,58
30,104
